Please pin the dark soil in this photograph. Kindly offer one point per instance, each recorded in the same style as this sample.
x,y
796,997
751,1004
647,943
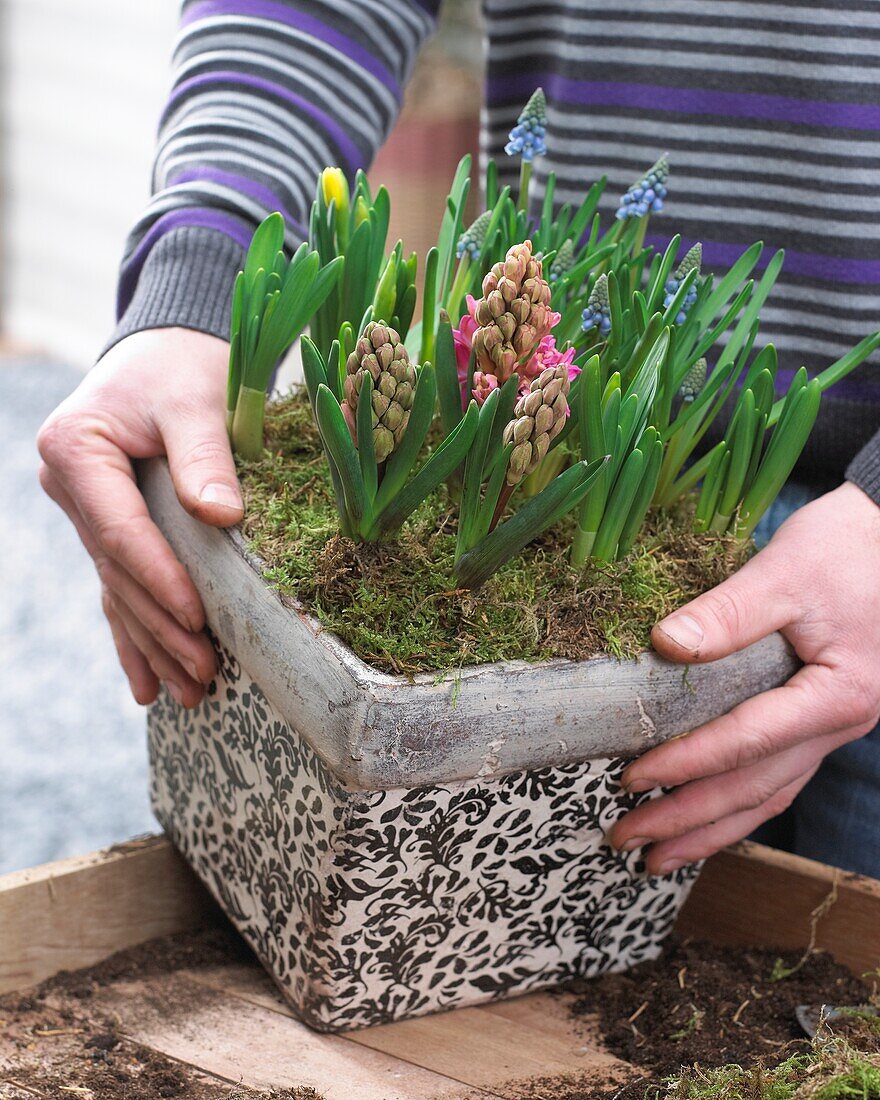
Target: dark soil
x,y
712,1005
52,1044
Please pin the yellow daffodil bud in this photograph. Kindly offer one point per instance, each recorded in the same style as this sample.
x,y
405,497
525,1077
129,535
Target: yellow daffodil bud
x,y
334,187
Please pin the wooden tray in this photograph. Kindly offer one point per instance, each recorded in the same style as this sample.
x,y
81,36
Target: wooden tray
x,y
236,1030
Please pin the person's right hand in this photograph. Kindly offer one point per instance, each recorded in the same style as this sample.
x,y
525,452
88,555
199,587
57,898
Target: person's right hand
x,y
156,392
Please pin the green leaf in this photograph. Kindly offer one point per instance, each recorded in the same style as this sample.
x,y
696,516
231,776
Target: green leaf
x,y
314,369
537,514
402,460
448,388
266,242
446,459
337,439
429,306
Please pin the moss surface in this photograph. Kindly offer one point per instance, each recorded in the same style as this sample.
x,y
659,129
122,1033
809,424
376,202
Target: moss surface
x,y
396,604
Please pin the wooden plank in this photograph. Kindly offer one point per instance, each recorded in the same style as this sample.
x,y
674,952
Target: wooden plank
x,y
246,1044
75,912
751,894
485,1047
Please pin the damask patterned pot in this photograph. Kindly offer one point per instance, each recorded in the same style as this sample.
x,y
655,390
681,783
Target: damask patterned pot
x,y
389,848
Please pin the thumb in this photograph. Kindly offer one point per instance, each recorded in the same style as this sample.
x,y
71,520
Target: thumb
x,y
743,609
202,468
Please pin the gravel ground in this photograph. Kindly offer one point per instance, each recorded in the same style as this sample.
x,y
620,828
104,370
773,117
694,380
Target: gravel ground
x,y
72,749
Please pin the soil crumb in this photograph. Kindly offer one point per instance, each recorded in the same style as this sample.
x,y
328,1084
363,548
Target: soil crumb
x,y
55,1045
714,1005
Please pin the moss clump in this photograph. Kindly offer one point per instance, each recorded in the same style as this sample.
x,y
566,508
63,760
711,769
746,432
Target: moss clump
x,y
396,604
831,1070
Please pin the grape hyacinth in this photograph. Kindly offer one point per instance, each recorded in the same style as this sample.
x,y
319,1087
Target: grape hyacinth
x,y
527,137
598,311
474,237
693,381
692,261
564,261
647,195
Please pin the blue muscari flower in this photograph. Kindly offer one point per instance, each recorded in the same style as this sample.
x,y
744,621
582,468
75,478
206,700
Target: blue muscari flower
x,y
692,260
527,137
474,237
598,311
647,195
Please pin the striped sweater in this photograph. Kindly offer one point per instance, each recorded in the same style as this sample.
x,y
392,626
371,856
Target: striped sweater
x,y
770,112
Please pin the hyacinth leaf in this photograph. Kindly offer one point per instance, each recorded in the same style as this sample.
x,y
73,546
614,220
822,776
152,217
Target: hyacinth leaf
x,y
385,298
788,440
441,464
727,285
474,470
235,349
708,502
380,216
365,445
315,370
660,271
335,369
619,504
337,439
742,436
494,489
267,241
429,308
651,446
400,463
712,336
450,227
678,298
490,185
356,286
537,514
507,396
448,388
838,370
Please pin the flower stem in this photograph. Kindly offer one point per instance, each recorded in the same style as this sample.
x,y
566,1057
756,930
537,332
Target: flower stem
x,y
247,424
525,176
459,285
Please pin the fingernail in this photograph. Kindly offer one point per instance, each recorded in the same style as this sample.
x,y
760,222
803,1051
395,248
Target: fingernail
x,y
684,630
637,786
189,666
670,865
218,492
633,843
175,690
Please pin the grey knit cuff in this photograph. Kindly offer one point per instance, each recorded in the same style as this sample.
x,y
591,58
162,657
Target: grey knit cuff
x,y
864,470
186,282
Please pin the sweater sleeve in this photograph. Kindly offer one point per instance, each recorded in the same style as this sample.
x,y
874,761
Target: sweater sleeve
x,y
864,470
265,94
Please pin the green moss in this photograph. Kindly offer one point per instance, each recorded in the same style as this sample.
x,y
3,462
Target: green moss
x,y
397,605
831,1070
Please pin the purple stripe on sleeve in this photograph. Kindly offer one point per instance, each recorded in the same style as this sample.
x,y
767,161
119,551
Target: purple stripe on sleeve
x,y
855,387
246,186
197,217
697,101
299,20
837,269
351,155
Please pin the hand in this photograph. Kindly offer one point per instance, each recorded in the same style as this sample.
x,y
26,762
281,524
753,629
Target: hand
x,y
818,581
156,392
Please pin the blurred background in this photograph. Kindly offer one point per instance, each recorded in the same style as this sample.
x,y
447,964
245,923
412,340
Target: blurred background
x,y
82,83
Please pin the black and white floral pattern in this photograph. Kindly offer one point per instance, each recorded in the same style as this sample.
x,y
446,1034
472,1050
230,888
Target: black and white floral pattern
x,y
368,906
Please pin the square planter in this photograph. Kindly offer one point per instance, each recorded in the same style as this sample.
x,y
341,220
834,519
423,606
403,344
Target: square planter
x,y
392,847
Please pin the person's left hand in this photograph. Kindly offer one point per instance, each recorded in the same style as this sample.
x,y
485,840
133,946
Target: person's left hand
x,y
818,582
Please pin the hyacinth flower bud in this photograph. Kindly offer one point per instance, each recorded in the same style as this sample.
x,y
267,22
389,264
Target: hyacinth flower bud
x,y
598,311
380,353
538,417
513,315
647,195
692,262
526,139
334,187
